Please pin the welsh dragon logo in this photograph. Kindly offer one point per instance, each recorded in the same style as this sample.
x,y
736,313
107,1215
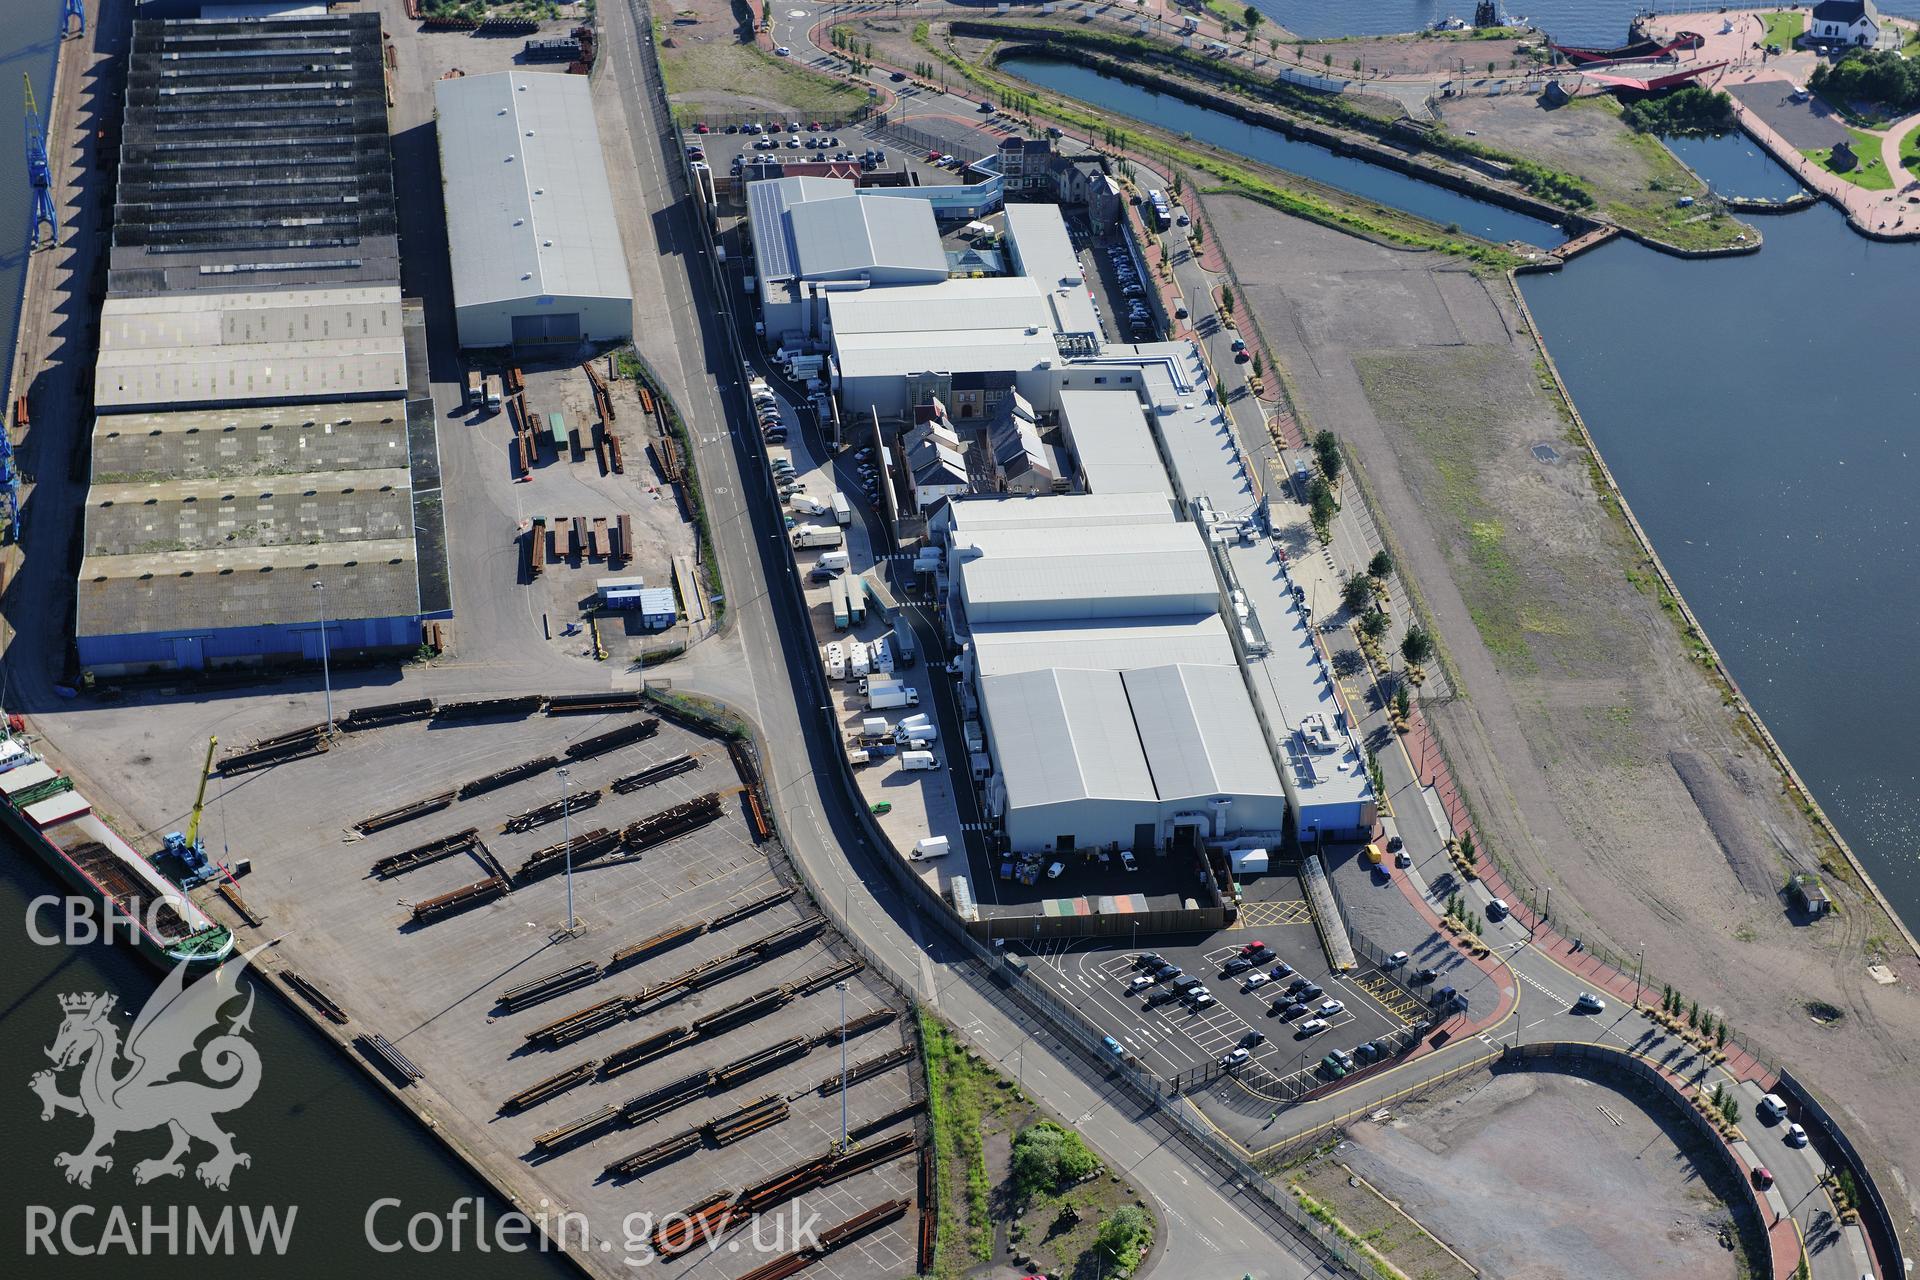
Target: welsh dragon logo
x,y
134,1087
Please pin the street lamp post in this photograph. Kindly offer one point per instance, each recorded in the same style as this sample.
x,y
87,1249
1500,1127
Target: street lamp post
x,y
566,840
842,988
1638,959
326,668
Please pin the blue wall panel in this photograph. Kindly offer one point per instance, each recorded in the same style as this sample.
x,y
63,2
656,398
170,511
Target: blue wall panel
x,y
242,644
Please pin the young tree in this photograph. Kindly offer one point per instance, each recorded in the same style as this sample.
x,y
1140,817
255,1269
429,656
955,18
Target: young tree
x,y
1326,450
1226,298
1720,1033
1730,1109
1381,566
1403,707
1374,624
1321,507
1356,593
1416,646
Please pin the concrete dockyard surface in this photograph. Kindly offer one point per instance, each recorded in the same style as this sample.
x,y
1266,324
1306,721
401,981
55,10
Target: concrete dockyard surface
x,y
431,988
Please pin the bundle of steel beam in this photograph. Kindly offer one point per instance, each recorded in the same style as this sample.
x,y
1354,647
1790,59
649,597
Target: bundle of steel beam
x,y
552,1087
314,996
734,915
695,1225
867,1070
668,823
506,777
657,1102
487,707
754,1006
387,713
377,1047
422,854
578,1130
762,1060
405,813
591,703
658,942
827,977
868,1021
659,1153
641,1052
656,773
762,1113
581,1022
546,813
791,936
546,988
601,743
287,747
584,848
460,899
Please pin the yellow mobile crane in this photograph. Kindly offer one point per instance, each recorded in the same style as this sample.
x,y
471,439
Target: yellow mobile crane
x,y
188,848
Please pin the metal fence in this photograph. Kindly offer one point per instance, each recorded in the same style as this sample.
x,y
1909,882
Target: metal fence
x,y
922,141
1832,1141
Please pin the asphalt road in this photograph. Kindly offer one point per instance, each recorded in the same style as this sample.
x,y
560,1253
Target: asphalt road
x,y
1212,1223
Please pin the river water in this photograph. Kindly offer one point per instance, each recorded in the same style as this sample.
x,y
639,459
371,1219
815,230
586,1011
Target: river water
x,y
1763,418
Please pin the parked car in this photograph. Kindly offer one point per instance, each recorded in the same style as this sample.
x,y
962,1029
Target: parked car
x,y
1289,1009
1425,976
1366,1052
1255,981
1239,964
1234,1058
701,128
1311,1027
1253,1039
1137,983
1762,1177
1332,1067
1329,1008
1311,991
1403,859
1146,958
1200,998
1127,862
1395,960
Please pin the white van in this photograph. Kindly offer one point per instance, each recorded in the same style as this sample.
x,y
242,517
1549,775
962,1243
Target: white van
x,y
915,760
931,847
1772,1107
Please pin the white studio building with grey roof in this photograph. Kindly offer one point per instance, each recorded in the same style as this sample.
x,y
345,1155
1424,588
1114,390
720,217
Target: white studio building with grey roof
x,y
535,248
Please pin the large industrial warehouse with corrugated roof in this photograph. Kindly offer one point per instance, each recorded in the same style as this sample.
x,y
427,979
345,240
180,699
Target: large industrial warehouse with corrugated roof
x,y
264,456
536,252
1114,708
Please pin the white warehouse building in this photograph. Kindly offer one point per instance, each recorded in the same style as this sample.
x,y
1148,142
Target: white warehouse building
x,y
1114,710
535,247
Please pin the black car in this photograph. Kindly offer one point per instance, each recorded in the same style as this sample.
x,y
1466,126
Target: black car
x,y
898,77
1298,985
1146,959
1166,973
1161,995
1311,991
1289,1009
1394,843
1425,976
1239,964
1253,1039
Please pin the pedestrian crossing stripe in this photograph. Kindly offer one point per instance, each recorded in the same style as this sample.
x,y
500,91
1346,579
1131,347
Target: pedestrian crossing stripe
x,y
976,826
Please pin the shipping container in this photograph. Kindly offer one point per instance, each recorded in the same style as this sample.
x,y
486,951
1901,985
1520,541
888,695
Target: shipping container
x,y
842,509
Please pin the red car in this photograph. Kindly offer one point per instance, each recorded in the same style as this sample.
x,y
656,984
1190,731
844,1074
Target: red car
x,y
932,156
700,128
1762,1177
1252,947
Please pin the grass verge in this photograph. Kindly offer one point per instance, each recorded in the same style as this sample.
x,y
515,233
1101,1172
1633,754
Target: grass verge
x,y
1868,173
748,73
957,1098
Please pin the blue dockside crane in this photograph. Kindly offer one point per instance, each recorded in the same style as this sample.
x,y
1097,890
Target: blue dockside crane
x,y
39,173
70,13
